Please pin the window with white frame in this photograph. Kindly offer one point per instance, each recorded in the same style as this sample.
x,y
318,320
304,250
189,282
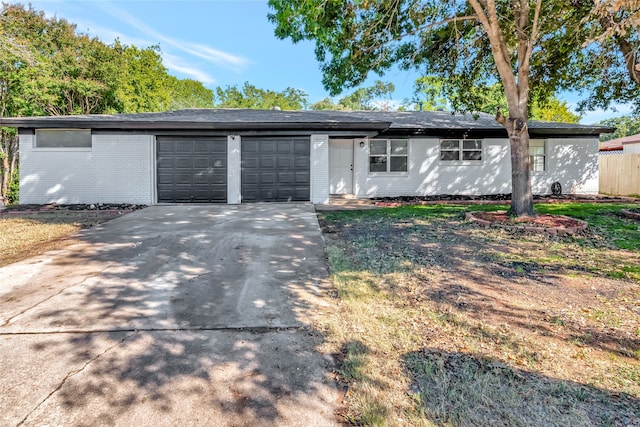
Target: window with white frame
x,y
537,155
388,155
63,138
455,150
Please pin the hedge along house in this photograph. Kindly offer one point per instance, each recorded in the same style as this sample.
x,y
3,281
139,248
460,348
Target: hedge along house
x,y
236,156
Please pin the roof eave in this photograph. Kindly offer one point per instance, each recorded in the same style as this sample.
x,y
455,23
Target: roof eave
x,y
30,123
592,131
615,148
494,132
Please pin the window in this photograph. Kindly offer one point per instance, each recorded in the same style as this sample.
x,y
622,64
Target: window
x,y
388,155
537,155
63,138
449,149
452,150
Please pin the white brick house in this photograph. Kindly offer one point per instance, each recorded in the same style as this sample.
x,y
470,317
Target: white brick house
x,y
235,156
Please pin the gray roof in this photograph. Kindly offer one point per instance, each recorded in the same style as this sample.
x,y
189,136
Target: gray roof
x,y
417,122
447,120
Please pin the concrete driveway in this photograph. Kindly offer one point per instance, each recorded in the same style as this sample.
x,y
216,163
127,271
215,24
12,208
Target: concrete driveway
x,y
172,315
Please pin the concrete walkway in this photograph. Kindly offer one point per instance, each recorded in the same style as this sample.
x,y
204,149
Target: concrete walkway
x,y
172,315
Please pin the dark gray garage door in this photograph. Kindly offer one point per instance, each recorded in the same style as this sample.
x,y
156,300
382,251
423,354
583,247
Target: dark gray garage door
x,y
192,169
275,169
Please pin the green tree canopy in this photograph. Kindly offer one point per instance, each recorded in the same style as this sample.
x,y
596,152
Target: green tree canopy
x,y
435,93
326,104
188,93
609,70
143,82
250,96
65,73
625,126
553,110
362,99
365,98
430,92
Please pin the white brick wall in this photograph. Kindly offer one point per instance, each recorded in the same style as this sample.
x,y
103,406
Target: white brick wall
x,y
319,168
121,169
572,162
116,169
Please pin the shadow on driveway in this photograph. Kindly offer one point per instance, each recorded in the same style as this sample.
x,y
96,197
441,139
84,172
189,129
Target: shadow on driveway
x,y
172,315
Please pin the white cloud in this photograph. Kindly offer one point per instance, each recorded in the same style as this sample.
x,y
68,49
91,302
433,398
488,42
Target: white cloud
x,y
108,35
220,58
175,63
216,56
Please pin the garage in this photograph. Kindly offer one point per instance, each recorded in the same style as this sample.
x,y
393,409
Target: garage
x,y
275,169
191,169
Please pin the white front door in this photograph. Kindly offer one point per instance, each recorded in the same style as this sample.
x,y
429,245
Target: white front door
x,y
341,166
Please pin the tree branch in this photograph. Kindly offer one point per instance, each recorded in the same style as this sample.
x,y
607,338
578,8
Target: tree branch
x,y
535,30
422,28
489,21
629,54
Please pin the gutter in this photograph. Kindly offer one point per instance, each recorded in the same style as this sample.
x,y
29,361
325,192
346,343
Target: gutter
x,y
47,123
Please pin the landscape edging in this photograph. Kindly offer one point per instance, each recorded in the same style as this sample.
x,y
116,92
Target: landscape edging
x,y
629,214
530,228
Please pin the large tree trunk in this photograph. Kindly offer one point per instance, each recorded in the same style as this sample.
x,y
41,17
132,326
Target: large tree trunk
x,y
9,157
521,194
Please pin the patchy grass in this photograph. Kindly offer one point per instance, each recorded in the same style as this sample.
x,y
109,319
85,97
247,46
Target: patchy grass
x,y
31,234
605,220
442,322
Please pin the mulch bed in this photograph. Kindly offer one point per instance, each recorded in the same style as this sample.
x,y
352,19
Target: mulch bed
x,y
554,224
496,199
51,207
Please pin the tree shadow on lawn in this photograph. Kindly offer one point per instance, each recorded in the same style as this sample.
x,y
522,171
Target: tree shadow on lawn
x,y
483,296
465,390
185,316
450,264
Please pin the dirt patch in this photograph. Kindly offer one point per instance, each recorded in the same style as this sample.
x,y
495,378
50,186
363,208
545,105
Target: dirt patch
x,y
38,230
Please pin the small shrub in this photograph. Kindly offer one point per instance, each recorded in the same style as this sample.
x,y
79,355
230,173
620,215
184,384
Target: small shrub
x,y
13,196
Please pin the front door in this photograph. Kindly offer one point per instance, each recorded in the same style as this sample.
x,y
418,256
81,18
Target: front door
x,y
341,166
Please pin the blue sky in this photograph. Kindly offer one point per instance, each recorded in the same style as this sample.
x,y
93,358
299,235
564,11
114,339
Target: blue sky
x,y
220,43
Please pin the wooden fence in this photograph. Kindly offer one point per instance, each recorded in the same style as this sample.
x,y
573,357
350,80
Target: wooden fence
x,y
620,174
